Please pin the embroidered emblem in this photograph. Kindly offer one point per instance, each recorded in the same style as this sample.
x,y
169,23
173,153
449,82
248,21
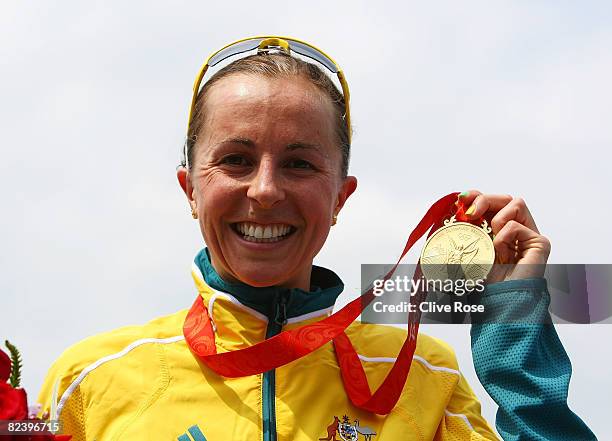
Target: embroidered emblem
x,y
347,431
365,431
332,430
195,432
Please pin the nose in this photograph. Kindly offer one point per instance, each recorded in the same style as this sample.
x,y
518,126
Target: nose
x,y
266,185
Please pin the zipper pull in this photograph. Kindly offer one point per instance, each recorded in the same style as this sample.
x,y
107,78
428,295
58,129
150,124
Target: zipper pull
x,y
280,318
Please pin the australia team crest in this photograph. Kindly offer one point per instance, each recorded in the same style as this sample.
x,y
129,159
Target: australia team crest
x,y
345,431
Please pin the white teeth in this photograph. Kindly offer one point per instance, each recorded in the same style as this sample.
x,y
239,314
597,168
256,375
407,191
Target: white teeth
x,y
262,233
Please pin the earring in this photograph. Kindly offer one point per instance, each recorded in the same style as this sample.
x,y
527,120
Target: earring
x,y
194,213
334,219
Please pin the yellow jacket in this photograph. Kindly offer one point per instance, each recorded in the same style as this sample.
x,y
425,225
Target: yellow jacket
x,y
143,382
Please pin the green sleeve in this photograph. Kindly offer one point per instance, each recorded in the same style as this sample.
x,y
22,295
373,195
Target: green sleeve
x,y
523,366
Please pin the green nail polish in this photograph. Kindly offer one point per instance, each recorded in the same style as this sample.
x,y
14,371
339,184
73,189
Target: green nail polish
x,y
463,194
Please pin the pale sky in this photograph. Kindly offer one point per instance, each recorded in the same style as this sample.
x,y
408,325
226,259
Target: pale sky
x,y
507,97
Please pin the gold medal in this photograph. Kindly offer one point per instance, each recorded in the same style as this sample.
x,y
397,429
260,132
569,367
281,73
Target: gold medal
x,y
458,250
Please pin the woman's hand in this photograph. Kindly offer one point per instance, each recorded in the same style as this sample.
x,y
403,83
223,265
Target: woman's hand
x,y
519,246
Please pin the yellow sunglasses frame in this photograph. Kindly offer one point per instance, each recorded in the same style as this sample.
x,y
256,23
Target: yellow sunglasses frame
x,y
284,43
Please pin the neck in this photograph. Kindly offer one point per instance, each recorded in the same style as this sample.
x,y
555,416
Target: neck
x,y
323,288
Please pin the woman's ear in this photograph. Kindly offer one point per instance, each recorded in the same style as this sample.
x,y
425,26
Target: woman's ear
x,y
349,185
185,182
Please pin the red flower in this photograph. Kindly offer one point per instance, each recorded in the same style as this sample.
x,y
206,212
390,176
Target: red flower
x,y
13,403
5,367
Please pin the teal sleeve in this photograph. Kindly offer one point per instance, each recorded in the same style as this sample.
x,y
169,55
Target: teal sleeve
x,y
523,366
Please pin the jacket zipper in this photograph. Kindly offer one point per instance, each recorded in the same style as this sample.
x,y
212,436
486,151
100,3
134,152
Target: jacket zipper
x,y
269,378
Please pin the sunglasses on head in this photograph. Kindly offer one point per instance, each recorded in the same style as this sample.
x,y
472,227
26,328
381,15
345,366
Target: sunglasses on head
x,y
271,44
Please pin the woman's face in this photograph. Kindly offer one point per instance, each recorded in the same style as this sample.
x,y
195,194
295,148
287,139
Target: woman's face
x,y
265,179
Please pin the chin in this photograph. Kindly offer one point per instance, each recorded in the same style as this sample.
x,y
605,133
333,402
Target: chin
x,y
258,278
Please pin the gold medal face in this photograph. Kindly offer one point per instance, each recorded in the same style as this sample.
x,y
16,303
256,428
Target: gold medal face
x,y
459,250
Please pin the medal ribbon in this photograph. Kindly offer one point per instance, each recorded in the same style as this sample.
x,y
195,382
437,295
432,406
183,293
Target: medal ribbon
x,y
290,345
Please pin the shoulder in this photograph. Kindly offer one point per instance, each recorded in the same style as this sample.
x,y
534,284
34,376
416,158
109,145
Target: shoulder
x,y
386,341
82,358
121,340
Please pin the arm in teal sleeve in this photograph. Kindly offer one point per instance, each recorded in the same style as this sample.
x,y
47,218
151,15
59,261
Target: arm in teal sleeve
x,y
523,366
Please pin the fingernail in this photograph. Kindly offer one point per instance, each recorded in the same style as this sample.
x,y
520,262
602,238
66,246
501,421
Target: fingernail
x,y
470,211
463,194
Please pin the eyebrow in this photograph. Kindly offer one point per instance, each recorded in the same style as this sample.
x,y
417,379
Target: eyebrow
x,y
244,141
303,145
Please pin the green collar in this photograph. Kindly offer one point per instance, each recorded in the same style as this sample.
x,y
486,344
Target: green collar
x,y
325,287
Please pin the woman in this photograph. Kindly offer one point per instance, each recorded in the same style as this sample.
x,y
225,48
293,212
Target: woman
x,y
266,176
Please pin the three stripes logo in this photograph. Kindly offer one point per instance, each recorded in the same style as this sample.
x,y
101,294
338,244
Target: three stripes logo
x,y
193,434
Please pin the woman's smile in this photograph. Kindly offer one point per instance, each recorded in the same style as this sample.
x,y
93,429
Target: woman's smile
x,y
263,233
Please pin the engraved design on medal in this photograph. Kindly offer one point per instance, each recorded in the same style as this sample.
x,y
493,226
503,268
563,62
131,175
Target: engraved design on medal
x,y
458,250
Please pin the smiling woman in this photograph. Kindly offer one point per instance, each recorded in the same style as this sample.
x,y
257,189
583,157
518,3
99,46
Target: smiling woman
x,y
266,170
259,354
